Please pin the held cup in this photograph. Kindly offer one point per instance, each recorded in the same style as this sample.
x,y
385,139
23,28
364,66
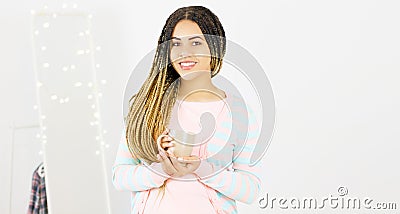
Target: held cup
x,y
183,142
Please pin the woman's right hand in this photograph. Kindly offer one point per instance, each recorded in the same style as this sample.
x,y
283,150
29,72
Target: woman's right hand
x,y
166,141
163,156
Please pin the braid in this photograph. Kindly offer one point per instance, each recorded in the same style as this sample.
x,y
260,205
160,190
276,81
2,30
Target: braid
x,y
150,111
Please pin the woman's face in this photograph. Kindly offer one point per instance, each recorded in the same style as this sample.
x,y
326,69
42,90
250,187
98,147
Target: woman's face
x,y
190,53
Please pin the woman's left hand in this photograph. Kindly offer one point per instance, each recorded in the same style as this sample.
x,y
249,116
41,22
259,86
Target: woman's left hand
x,y
185,165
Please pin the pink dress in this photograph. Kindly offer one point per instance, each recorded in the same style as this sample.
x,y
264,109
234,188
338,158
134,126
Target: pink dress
x,y
186,196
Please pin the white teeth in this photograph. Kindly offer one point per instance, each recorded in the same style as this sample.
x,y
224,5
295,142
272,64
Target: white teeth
x,y
187,63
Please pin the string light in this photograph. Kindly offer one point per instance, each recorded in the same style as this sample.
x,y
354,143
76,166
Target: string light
x,y
80,52
65,68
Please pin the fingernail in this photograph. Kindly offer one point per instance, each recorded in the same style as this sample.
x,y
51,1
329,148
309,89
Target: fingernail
x,y
180,159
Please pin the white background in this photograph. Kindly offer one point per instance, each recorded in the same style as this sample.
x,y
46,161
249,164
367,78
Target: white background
x,y
333,65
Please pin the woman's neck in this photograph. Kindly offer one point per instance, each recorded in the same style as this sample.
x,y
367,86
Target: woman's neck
x,y
200,89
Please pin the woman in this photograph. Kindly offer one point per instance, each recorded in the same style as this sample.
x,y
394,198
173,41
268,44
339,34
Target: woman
x,y
216,174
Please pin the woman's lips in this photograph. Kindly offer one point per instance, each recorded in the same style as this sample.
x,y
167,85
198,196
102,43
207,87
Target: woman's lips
x,y
187,65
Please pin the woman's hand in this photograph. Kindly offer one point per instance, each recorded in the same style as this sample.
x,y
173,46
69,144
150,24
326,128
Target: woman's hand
x,y
166,141
178,166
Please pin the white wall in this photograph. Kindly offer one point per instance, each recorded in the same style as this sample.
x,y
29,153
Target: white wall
x,y
334,67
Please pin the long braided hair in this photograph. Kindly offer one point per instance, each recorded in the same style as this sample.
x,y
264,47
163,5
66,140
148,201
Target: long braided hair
x,y
150,111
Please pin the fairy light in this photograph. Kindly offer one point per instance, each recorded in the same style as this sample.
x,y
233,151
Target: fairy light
x,y
62,99
80,52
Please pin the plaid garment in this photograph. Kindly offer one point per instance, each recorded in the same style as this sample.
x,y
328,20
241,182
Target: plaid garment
x,y
38,201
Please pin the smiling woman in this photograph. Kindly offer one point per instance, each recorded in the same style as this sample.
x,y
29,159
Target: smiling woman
x,y
176,95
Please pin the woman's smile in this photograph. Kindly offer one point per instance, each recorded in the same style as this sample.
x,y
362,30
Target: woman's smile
x,y
187,65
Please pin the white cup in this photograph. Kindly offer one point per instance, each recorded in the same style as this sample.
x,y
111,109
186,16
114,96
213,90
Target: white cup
x,y
183,142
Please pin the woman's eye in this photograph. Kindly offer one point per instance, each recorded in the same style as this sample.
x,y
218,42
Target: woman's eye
x,y
196,43
176,44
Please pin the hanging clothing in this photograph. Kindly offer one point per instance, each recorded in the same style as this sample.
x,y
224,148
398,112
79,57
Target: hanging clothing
x,y
38,200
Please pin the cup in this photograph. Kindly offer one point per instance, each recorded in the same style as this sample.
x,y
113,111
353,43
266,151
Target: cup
x,y
183,142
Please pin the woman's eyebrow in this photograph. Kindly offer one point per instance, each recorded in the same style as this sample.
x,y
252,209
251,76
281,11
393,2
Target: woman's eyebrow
x,y
194,37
